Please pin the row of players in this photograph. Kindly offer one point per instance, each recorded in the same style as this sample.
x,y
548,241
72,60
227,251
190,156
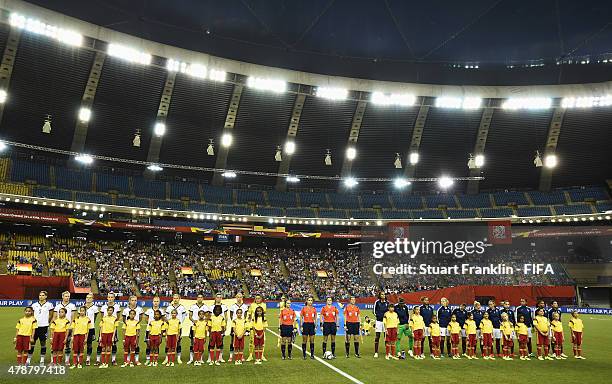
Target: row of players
x,y
478,326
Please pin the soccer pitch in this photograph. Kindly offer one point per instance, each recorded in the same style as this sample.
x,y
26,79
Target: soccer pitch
x,y
597,368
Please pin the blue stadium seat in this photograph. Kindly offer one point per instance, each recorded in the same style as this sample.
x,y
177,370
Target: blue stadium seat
x,y
403,201
133,202
301,212
25,170
180,189
574,209
502,199
96,198
363,214
370,200
434,201
461,213
475,201
332,213
235,210
49,193
308,199
534,211
118,183
74,180
343,200
217,195
395,214
282,199
245,196
427,214
206,208
168,204
547,198
153,189
496,212
269,211
593,193
604,206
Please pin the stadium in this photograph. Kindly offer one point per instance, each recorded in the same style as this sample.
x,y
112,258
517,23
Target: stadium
x,y
324,191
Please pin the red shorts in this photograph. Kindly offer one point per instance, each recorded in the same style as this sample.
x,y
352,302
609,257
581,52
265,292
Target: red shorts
x,y
471,340
558,336
216,339
58,341
523,339
391,335
542,340
508,342
154,341
106,339
435,340
455,338
129,342
577,337
198,344
78,343
239,343
171,341
259,338
417,334
22,343
487,339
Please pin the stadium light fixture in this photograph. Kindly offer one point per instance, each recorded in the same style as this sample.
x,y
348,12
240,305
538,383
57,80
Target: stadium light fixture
x,y
159,129
136,140
229,174
3,146
65,36
471,103
210,150
290,147
84,114
400,183
479,161
193,69
351,153
278,156
272,85
328,158
537,160
332,93
3,96
350,182
383,99
129,54
398,161
449,102
414,158
84,159
445,182
227,139
217,75
293,179
586,102
154,168
550,161
527,103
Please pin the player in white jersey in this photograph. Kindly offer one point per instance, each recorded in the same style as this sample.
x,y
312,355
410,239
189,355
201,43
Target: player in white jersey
x,y
150,315
70,309
175,304
110,302
239,304
43,312
91,310
133,305
195,308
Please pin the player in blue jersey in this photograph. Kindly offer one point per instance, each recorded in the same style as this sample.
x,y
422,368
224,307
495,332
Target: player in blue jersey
x,y
427,312
495,317
444,316
461,314
478,313
528,315
380,308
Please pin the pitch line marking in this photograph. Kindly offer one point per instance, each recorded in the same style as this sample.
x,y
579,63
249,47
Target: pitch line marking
x,y
328,365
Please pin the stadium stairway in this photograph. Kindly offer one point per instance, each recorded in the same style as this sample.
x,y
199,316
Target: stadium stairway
x,y
42,257
283,268
245,287
94,283
172,278
128,269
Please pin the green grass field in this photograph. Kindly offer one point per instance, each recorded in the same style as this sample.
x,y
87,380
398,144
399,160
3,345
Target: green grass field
x,y
597,368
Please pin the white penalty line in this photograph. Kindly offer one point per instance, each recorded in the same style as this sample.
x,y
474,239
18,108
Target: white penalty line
x,y
328,365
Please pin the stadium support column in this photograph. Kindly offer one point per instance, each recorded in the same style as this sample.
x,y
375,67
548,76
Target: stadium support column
x,y
347,164
162,113
230,120
296,114
80,131
551,146
479,146
8,61
415,143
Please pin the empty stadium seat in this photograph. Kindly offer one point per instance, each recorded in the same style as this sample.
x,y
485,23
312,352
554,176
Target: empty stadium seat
x,y
49,193
133,202
496,212
574,209
403,201
106,183
461,213
300,212
269,211
363,214
207,208
427,214
97,198
308,199
434,201
282,199
505,198
245,196
547,198
534,211
217,195
71,179
149,188
395,214
179,189
168,204
604,206
343,200
22,171
332,213
235,210
371,200
481,200
592,193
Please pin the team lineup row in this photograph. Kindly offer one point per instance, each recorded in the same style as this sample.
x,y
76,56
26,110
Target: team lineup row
x,y
73,330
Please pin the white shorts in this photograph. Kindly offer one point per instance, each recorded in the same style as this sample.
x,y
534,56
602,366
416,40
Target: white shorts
x,y
426,332
529,332
380,326
497,333
463,334
444,332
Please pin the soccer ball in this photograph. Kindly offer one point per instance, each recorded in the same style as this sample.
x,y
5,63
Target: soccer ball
x,y
328,355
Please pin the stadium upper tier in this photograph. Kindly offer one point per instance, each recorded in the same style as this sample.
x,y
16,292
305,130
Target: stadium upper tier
x,y
97,187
